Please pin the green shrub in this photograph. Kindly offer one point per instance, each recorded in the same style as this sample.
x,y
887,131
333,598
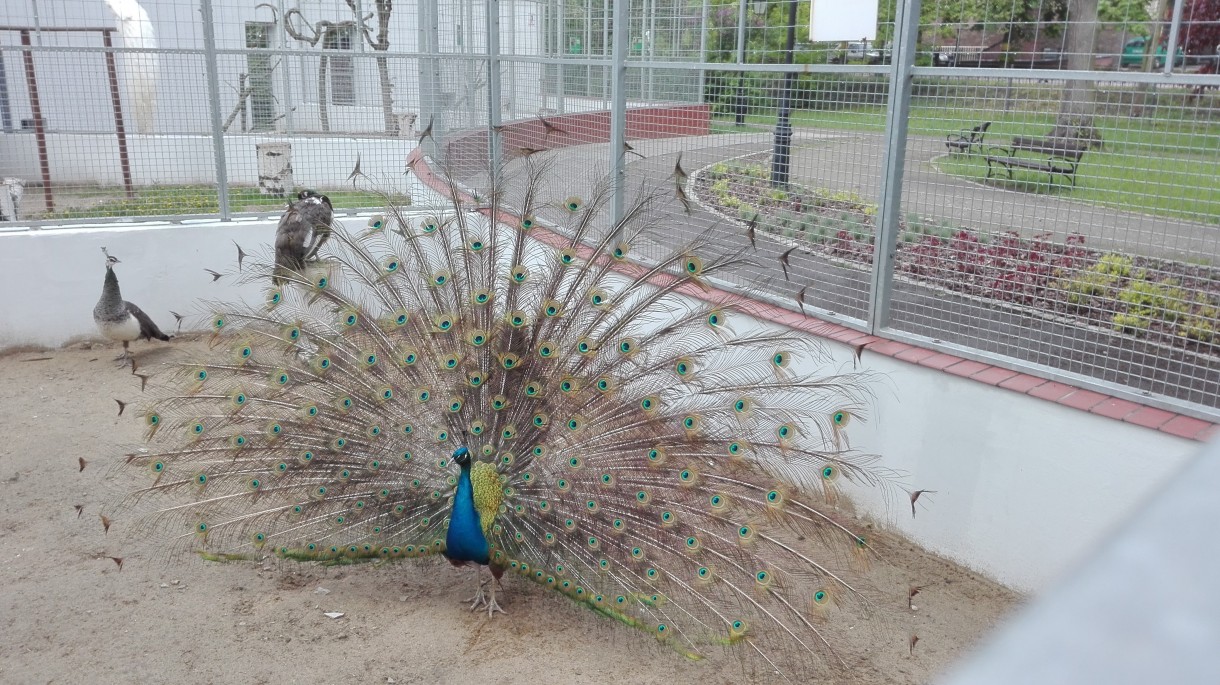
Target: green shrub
x,y
1203,324
1114,264
1098,280
1149,301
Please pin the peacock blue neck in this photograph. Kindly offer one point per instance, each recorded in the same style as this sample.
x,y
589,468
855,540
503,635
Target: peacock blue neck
x,y
465,540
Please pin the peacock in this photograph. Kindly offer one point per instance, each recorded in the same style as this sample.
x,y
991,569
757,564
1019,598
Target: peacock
x,y
120,320
303,230
505,387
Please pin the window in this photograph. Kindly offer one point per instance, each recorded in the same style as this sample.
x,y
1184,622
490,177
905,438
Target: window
x,y
342,68
258,71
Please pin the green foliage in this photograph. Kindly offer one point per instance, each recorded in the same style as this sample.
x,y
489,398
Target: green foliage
x,y
1113,264
1148,301
1098,280
1202,27
1203,324
1087,285
1130,323
179,200
1155,167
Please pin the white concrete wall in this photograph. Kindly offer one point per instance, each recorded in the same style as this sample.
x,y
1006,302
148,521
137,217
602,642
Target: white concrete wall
x,y
1025,488
59,274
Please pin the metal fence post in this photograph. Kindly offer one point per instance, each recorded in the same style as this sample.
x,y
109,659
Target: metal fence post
x,y
1171,50
618,106
897,113
493,86
703,16
429,71
561,51
211,67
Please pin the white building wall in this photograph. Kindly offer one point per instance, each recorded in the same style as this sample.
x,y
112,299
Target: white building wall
x,y
75,96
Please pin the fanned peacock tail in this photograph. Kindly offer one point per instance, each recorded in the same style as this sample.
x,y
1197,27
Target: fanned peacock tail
x,y
654,462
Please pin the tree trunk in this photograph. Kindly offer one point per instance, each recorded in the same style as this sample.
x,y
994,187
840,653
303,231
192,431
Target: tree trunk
x,y
380,44
1145,96
274,169
387,96
1122,43
1076,111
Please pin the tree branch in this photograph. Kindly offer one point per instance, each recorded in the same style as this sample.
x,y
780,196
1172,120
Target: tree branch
x,y
317,32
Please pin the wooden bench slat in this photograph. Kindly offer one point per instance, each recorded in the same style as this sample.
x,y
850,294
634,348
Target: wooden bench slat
x,y
968,139
1053,148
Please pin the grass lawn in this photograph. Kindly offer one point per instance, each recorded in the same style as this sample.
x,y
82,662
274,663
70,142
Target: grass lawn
x,y
1167,167
176,200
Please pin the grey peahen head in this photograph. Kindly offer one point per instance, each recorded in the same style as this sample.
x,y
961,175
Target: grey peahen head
x,y
307,193
110,306
111,296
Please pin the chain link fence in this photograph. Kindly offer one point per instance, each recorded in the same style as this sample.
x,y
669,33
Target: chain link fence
x,y
1029,184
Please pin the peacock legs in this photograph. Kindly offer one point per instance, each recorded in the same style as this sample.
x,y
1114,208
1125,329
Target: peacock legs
x,y
125,358
492,605
488,599
478,599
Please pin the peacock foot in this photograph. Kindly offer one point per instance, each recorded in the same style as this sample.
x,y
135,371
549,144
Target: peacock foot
x,y
479,599
492,605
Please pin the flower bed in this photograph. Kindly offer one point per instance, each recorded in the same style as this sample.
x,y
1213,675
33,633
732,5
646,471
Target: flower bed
x,y
1167,301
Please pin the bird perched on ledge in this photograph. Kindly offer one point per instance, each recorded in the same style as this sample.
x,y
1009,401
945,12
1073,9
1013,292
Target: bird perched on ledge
x,y
304,229
120,320
532,401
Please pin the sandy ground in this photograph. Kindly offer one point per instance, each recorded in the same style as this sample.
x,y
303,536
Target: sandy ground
x,y
70,614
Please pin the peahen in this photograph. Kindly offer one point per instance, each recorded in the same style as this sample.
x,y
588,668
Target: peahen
x,y
525,398
303,229
119,320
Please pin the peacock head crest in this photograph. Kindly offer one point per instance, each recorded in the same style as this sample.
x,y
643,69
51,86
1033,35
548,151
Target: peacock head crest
x,y
110,261
461,455
308,193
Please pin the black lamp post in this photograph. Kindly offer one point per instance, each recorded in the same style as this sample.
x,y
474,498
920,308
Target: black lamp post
x,y
739,101
781,157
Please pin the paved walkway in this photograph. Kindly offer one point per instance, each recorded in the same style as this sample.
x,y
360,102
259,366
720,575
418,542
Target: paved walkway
x,y
854,161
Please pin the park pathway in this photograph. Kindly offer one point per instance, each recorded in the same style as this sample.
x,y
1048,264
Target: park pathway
x,y
852,161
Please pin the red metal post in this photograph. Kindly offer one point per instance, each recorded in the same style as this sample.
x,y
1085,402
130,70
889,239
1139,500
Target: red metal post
x,y
120,130
40,134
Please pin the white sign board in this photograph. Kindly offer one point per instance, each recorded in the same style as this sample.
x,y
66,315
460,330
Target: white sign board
x,y
835,20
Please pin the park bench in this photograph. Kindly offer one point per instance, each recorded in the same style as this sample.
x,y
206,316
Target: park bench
x,y
968,139
1058,156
